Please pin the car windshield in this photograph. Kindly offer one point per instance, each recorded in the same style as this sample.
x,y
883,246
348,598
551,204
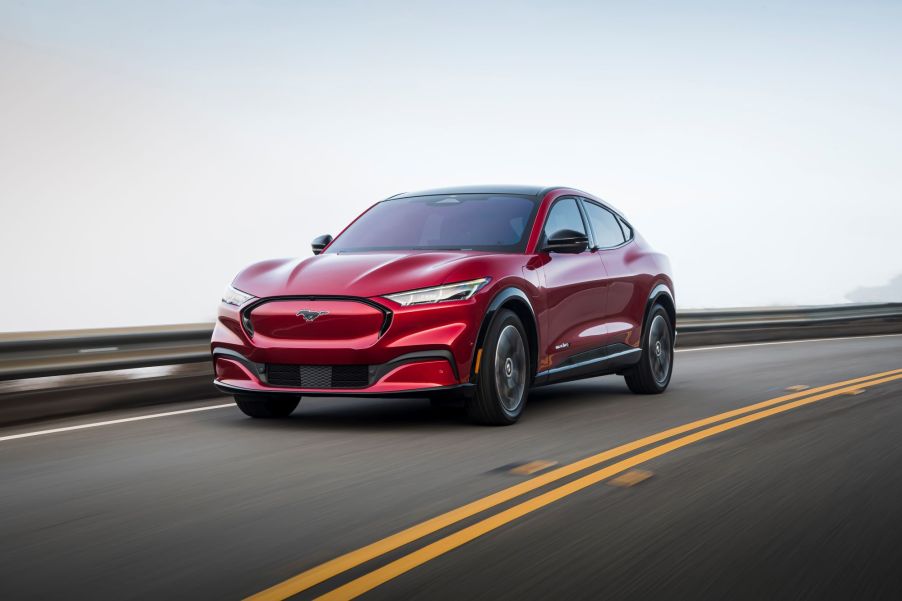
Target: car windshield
x,y
492,222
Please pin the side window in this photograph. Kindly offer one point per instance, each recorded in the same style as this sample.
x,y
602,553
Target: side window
x,y
627,230
605,225
564,215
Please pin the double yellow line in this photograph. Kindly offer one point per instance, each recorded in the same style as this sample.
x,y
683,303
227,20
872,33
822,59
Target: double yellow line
x,y
724,421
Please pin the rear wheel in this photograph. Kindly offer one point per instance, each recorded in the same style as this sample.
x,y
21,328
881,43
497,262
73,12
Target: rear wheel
x,y
504,373
266,406
651,374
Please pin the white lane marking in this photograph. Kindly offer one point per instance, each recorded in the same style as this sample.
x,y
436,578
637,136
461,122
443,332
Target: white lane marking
x,y
113,421
102,349
727,346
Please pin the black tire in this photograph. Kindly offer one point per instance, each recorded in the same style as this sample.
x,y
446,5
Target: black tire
x,y
266,406
505,373
652,373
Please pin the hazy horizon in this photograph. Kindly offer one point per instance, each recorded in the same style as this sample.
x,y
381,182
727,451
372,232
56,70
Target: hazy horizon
x,y
152,150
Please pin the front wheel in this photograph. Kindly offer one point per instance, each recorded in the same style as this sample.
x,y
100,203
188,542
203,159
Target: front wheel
x,y
266,406
505,373
651,374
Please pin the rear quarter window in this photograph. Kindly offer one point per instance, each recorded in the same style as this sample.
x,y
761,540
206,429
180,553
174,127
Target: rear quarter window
x,y
605,225
627,230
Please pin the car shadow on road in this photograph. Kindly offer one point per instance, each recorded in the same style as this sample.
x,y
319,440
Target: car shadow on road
x,y
547,402
557,400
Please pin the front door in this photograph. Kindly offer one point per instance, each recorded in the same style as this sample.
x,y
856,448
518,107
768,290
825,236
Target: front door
x,y
575,294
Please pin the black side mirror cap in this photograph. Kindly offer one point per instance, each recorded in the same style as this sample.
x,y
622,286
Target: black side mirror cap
x,y
320,243
566,241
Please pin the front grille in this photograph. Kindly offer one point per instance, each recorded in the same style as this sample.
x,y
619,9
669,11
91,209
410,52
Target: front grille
x,y
318,376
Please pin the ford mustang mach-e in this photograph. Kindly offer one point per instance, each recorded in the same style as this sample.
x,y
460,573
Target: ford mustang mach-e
x,y
480,293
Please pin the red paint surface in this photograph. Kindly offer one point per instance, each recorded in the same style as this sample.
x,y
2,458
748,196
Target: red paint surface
x,y
582,301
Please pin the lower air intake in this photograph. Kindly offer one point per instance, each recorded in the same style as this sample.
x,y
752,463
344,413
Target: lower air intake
x,y
318,376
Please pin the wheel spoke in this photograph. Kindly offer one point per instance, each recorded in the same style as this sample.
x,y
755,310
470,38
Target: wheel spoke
x,y
655,333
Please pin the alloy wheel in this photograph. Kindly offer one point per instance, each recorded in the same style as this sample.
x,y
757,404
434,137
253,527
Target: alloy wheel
x,y
660,349
510,368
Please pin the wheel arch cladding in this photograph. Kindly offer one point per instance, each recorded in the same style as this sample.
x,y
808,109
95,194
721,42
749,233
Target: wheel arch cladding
x,y
514,300
660,295
524,312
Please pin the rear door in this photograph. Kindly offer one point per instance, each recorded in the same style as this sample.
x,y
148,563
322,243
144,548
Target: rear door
x,y
622,286
574,291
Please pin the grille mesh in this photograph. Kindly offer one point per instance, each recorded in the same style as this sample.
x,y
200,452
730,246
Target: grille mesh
x,y
350,376
318,376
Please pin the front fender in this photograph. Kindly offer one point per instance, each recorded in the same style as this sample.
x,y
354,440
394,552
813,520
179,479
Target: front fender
x,y
519,301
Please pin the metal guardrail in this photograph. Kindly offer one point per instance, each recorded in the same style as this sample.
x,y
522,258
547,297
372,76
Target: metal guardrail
x,y
726,326
39,354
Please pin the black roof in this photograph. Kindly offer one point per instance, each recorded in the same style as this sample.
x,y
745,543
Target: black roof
x,y
528,190
538,191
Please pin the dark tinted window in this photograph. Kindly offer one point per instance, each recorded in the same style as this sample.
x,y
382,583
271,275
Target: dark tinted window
x,y
496,222
564,215
605,225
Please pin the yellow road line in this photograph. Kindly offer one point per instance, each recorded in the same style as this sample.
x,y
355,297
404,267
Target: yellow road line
x,y
382,575
342,563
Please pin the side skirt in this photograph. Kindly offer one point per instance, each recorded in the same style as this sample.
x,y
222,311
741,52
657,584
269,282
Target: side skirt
x,y
609,360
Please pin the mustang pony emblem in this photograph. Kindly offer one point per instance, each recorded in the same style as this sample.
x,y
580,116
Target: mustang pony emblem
x,y
309,315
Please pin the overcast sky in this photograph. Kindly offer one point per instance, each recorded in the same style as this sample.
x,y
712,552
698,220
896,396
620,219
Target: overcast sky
x,y
150,150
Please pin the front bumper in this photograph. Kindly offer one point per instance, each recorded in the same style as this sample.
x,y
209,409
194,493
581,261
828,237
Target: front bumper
x,y
457,391
421,349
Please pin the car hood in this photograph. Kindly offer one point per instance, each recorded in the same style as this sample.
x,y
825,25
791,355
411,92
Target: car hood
x,y
364,274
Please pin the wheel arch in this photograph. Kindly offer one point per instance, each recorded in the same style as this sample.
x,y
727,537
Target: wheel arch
x,y
661,295
515,300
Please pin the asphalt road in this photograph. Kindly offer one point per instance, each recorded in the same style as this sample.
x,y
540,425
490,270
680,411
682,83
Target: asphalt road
x,y
801,503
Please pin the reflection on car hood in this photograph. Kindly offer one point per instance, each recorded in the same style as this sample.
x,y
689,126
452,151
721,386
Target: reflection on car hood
x,y
364,274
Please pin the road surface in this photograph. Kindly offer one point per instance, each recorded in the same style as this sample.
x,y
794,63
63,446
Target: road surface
x,y
794,493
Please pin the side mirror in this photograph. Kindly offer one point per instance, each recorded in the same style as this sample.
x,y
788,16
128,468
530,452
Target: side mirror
x,y
321,242
566,241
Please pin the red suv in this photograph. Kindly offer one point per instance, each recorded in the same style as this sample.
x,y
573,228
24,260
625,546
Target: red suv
x,y
476,292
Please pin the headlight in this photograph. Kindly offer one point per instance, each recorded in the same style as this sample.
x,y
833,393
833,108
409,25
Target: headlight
x,y
439,294
233,296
